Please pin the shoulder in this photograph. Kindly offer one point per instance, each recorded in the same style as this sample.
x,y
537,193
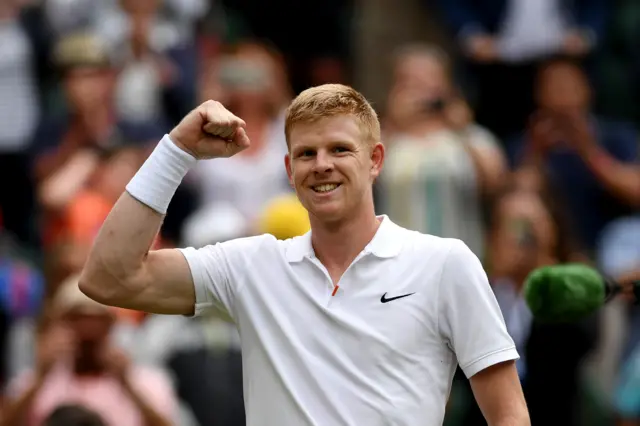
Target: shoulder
x,y
421,242
430,248
239,250
449,255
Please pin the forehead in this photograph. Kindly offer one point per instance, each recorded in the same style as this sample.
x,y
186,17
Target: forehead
x,y
561,73
341,128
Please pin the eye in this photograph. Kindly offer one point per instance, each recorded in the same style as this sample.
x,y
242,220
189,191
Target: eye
x,y
306,153
340,149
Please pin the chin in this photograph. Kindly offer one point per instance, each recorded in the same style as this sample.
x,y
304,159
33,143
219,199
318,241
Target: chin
x,y
327,212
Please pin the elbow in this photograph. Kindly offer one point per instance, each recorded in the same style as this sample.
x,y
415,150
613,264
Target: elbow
x,y
105,288
87,285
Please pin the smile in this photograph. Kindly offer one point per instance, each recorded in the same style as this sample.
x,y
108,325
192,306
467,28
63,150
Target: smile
x,y
325,187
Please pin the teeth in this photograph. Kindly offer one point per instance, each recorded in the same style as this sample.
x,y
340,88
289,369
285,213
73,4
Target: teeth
x,y
325,188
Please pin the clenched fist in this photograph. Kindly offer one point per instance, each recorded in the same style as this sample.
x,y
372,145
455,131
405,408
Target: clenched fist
x,y
210,131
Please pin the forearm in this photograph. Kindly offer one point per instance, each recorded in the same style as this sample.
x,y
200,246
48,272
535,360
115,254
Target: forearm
x,y
149,414
622,180
522,420
15,412
59,188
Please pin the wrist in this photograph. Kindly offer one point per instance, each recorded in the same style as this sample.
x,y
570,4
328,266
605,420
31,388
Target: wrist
x,y
175,139
159,177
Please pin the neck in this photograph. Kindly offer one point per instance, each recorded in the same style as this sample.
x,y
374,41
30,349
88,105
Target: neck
x,y
98,125
337,244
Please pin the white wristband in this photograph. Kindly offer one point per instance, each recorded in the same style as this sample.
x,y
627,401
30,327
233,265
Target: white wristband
x,y
157,180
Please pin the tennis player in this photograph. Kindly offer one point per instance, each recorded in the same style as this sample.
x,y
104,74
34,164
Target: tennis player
x,y
358,322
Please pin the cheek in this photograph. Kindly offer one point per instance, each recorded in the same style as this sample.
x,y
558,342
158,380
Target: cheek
x,y
298,175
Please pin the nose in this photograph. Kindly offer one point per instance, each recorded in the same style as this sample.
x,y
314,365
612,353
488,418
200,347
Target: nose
x,y
323,162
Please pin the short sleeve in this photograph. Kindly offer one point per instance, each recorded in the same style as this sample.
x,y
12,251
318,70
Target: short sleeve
x,y
216,270
470,319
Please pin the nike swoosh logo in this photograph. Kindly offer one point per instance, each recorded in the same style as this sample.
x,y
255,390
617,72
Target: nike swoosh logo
x,y
384,298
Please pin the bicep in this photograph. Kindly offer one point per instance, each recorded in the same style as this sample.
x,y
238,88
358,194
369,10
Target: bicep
x,y
499,395
165,283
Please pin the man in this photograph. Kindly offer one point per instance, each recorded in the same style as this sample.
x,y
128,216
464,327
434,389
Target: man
x,y
359,321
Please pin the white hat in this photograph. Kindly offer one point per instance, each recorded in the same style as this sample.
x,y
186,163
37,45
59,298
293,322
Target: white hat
x,y
213,223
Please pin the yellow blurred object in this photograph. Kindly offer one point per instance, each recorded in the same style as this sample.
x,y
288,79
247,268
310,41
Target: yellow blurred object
x,y
284,217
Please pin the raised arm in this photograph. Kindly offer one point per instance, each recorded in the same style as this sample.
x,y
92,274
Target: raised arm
x,y
121,269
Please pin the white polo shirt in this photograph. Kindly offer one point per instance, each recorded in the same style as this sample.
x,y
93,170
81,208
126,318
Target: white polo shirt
x,y
381,351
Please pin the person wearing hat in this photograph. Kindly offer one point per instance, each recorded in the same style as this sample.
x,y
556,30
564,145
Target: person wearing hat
x,y
76,363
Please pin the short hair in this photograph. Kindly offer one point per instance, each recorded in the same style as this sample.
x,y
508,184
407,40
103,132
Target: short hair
x,y
73,415
330,100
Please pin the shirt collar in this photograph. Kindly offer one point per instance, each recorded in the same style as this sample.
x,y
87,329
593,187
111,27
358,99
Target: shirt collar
x,y
386,243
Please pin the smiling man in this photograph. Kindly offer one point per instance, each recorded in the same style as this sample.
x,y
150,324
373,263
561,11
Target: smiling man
x,y
358,322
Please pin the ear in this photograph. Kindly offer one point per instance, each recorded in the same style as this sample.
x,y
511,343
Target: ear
x,y
377,160
287,165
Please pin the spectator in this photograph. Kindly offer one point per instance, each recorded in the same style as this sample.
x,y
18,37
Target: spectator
x,y
528,230
440,165
76,363
581,155
21,294
146,72
21,55
506,40
251,86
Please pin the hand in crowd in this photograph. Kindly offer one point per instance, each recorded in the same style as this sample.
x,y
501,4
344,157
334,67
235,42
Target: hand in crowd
x,y
57,345
578,132
117,363
575,43
458,114
548,129
543,134
482,48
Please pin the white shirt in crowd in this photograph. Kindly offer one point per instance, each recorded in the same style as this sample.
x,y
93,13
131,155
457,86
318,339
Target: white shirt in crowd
x,y
19,111
382,350
531,29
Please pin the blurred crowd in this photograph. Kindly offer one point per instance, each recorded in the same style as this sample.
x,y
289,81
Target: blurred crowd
x,y
509,124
